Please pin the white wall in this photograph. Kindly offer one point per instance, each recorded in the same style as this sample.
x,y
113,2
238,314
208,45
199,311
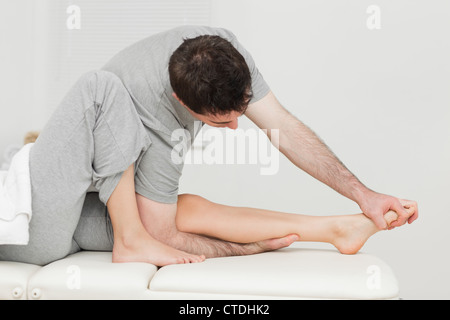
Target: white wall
x,y
47,45
378,98
16,65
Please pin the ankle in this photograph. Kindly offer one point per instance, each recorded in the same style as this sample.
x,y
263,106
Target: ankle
x,y
130,238
336,228
351,233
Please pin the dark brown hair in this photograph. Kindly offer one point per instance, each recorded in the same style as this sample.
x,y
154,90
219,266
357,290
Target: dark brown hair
x,y
210,76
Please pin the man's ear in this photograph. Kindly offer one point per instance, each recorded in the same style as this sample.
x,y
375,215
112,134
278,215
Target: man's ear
x,y
179,100
182,103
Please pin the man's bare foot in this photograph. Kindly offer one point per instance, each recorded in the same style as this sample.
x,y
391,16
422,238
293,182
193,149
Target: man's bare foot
x,y
271,244
147,249
352,232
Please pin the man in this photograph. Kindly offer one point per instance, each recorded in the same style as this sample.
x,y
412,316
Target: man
x,y
210,77
112,133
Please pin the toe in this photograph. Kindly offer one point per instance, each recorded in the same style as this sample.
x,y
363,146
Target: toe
x,y
390,217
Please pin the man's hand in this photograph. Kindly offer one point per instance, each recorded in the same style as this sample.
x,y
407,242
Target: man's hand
x,y
375,205
308,152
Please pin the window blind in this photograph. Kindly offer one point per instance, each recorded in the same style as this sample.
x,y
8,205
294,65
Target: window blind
x,y
76,36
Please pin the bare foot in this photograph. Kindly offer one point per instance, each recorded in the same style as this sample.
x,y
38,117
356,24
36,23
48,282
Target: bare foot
x,y
271,244
147,249
352,232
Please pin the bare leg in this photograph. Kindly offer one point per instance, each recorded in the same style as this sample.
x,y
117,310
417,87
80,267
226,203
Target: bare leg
x,y
132,243
245,225
159,221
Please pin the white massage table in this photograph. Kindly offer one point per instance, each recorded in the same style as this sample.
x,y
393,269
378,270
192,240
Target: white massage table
x,y
290,273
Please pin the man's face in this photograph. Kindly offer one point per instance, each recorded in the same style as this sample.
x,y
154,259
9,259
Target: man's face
x,y
219,121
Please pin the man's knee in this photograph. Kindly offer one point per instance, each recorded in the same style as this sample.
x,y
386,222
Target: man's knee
x,y
96,77
98,85
40,256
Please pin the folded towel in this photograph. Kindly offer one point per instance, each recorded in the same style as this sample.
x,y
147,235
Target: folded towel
x,y
15,199
10,151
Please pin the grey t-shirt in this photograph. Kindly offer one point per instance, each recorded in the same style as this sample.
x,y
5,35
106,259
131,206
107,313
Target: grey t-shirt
x,y
143,69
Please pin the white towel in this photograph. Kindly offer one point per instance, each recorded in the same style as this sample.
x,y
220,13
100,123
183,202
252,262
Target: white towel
x,y
15,199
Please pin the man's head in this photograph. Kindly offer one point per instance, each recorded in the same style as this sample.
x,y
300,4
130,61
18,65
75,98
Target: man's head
x,y
211,78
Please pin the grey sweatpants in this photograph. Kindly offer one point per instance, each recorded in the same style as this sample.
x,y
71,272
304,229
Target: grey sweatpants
x,y
91,139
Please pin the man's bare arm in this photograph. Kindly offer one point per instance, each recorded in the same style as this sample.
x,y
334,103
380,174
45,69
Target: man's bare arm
x,y
308,152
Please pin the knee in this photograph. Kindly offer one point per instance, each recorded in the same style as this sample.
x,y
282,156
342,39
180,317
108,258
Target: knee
x,y
189,207
41,256
51,257
95,77
186,198
101,83
107,78
184,212
189,203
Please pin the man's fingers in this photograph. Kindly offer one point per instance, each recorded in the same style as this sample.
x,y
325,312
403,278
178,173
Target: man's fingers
x,y
412,209
402,213
380,222
396,211
413,217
